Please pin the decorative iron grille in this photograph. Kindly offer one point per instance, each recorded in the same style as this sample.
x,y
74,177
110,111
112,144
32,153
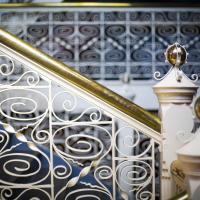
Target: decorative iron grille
x,y
105,43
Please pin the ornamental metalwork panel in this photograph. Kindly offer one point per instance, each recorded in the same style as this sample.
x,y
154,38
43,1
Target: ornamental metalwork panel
x,y
105,43
55,144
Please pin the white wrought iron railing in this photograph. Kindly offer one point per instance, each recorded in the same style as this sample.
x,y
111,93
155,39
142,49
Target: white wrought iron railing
x,y
71,138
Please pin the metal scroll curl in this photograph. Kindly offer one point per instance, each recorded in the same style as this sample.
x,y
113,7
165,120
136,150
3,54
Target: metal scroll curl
x,y
38,193
23,105
10,68
134,176
132,142
20,168
81,148
69,103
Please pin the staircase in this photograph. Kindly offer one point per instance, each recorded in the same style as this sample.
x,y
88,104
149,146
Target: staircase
x,y
73,138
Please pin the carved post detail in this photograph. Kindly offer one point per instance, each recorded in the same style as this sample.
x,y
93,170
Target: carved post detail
x,y
189,159
175,92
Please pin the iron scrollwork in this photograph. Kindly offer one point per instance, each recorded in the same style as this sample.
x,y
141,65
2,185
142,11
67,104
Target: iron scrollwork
x,y
62,146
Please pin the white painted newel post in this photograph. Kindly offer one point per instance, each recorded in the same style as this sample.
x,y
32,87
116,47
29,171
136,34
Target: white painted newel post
x,y
175,92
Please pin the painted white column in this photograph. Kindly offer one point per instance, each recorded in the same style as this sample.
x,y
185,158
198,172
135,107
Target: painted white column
x,y
189,155
175,93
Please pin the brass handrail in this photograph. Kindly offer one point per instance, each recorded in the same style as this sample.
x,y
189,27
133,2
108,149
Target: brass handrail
x,y
182,196
103,4
68,74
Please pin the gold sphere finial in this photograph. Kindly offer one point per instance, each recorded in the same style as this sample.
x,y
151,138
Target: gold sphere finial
x,y
176,55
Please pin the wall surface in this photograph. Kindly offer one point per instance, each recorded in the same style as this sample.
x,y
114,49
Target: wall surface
x,y
120,47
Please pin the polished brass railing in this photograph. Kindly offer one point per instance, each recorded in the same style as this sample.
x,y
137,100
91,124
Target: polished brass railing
x,y
181,196
102,4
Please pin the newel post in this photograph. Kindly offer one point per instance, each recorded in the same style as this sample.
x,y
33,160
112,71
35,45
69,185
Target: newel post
x,y
175,92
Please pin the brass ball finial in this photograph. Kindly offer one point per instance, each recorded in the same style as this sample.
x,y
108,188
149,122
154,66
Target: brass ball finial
x,y
176,55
